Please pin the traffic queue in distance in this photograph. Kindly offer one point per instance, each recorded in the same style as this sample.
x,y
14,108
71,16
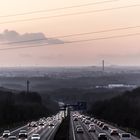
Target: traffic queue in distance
x,y
92,124
30,131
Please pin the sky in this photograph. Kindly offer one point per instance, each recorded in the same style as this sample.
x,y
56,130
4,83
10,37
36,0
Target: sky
x,y
51,20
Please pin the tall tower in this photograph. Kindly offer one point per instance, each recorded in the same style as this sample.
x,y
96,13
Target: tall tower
x,y
103,65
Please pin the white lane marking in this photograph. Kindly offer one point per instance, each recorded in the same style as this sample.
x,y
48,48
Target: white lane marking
x,y
19,129
53,131
86,130
16,130
73,131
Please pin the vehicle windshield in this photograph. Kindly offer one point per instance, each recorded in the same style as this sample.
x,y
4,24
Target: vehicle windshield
x,y
35,135
126,135
6,131
12,138
103,138
22,135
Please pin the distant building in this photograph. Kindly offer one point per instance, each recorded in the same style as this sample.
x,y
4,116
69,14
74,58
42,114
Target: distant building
x,y
121,86
110,86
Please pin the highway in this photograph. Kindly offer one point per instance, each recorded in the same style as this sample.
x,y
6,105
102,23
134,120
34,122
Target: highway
x,y
46,131
50,126
86,135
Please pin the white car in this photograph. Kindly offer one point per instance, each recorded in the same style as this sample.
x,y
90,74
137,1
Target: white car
x,y
102,136
79,130
6,134
92,124
125,136
35,137
78,126
51,124
23,135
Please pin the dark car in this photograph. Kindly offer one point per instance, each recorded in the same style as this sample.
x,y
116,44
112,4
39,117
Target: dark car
x,y
101,124
114,132
102,136
98,123
105,127
34,124
75,119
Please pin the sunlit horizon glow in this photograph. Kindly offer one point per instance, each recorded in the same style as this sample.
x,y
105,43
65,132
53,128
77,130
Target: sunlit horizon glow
x,y
116,51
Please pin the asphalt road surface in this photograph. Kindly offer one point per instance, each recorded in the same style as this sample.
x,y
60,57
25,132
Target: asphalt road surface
x,y
46,132
86,135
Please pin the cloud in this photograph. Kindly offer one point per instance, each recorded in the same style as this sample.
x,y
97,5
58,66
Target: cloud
x,y
25,39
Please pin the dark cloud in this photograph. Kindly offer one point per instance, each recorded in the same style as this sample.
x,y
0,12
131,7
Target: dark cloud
x,y
13,36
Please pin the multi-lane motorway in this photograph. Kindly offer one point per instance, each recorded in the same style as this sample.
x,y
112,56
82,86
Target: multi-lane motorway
x,y
45,131
80,125
86,135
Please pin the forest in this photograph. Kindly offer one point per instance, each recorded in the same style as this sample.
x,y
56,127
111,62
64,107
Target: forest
x,y
21,107
123,110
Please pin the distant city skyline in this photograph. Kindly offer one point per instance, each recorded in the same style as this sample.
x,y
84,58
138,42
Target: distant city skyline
x,y
32,20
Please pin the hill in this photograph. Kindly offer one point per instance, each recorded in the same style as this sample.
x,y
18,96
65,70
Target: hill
x,y
123,110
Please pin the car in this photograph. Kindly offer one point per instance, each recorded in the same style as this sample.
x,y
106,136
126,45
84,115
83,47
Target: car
x,y
91,128
77,126
29,124
114,132
125,136
80,116
74,115
105,127
49,119
51,124
23,131
6,134
23,135
87,122
88,118
98,123
34,124
41,124
75,119
83,116
101,124
95,121
12,138
102,136
92,119
35,137
91,125
83,120
79,130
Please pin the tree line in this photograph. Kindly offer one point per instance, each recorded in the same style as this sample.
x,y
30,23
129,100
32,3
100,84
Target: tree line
x,y
123,110
21,107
